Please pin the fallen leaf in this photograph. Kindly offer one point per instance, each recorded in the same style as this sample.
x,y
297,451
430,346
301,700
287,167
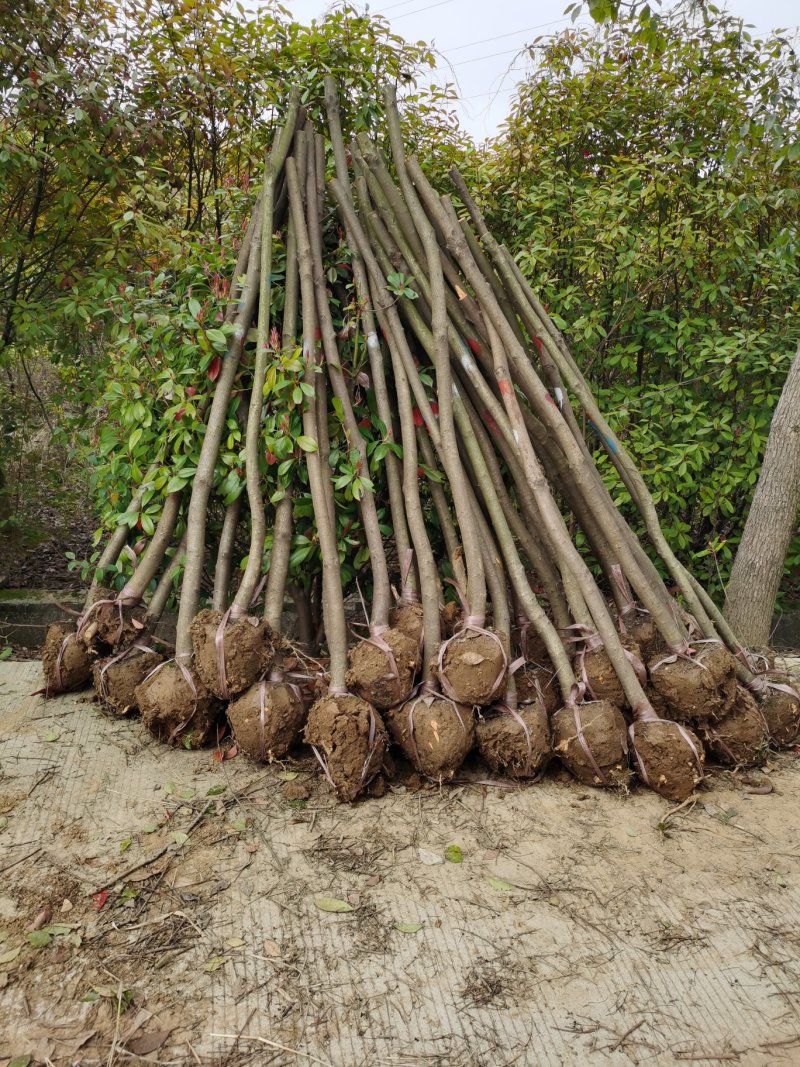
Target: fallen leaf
x,y
408,928
19,1061
99,899
12,954
288,776
631,831
149,828
272,948
66,905
251,848
148,1042
501,884
332,904
52,735
186,794
453,854
373,880
169,788
235,942
215,790
180,838
214,964
238,825
429,858
126,844
40,938
42,919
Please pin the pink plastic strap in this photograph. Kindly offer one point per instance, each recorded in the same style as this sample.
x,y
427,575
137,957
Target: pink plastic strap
x,y
585,744
506,709
426,695
219,645
686,651
116,659
376,640
373,740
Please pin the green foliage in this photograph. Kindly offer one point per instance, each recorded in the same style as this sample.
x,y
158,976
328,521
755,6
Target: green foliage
x,y
651,195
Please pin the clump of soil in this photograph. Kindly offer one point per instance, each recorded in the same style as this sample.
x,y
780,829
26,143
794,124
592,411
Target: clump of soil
x,y
65,659
511,748
472,668
658,703
269,735
175,713
295,790
450,618
537,683
435,734
533,647
782,714
601,678
407,618
740,738
602,728
702,687
116,679
669,758
114,625
372,675
247,650
351,739
643,632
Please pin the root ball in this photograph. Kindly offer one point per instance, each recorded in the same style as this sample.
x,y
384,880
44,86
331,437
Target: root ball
x,y
247,652
782,714
668,757
65,660
266,727
435,734
602,728
408,619
472,668
175,713
536,683
702,687
351,738
740,738
116,679
371,675
509,748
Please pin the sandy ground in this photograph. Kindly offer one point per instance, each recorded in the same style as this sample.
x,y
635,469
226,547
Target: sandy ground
x,y
579,928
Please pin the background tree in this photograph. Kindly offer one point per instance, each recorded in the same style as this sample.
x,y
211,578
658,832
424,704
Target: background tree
x,y
648,184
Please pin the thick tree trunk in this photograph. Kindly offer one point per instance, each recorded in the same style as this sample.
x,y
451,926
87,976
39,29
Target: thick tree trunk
x,y
758,567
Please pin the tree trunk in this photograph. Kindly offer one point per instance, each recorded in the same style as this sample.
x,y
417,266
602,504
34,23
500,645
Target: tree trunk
x,y
758,567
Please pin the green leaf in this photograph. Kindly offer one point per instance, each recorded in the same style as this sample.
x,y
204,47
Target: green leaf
x,y
10,955
52,735
239,825
287,776
332,904
175,484
501,885
39,938
216,790
408,928
169,788
125,844
453,854
149,828
19,1061
308,444
180,838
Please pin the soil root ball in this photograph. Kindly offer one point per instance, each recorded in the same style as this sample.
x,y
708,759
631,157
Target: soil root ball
x,y
115,625
538,684
65,659
518,746
175,711
591,741
642,631
434,733
267,720
668,757
782,714
450,618
407,618
740,738
246,652
601,679
473,667
116,678
702,687
349,740
372,675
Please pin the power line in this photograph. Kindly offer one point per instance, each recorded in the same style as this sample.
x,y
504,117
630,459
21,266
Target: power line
x,y
500,36
417,11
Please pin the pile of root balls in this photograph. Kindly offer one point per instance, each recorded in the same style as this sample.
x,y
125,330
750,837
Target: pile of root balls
x,y
488,628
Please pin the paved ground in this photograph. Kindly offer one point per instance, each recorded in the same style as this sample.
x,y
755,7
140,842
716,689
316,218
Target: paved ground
x,y
580,927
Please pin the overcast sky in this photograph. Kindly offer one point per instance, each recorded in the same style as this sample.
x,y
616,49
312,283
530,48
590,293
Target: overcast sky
x,y
482,39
